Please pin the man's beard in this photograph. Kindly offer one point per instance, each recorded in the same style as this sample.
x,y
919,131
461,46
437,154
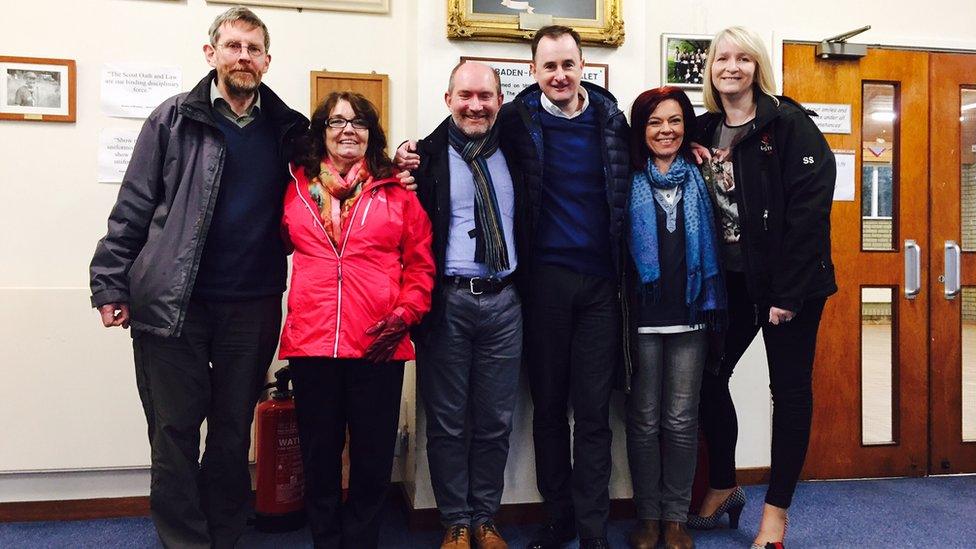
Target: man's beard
x,y
239,86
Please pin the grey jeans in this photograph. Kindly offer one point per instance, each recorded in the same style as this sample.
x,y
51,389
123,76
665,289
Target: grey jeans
x,y
662,422
468,375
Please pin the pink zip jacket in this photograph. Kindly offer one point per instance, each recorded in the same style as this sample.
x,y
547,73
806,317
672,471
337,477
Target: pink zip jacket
x,y
382,264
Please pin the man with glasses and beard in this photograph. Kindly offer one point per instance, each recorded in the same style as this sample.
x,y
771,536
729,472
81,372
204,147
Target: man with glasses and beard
x,y
193,260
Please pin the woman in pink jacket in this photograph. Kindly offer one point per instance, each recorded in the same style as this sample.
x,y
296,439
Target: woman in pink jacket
x,y
362,273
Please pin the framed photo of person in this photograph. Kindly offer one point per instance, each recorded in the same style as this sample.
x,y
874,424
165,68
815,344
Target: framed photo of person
x,y
683,60
34,88
599,22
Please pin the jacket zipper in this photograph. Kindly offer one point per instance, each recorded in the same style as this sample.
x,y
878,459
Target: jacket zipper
x,y
338,252
372,195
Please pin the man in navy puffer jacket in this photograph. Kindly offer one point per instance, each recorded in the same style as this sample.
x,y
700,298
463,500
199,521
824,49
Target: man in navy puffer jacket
x,y
572,144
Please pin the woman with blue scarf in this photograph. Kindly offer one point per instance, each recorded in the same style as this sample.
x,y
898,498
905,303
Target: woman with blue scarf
x,y
677,297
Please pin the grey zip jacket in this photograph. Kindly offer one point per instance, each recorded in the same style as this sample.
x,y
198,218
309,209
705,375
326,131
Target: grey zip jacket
x,y
157,229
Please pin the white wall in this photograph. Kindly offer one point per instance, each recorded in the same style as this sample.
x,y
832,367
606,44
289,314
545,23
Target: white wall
x,y
71,403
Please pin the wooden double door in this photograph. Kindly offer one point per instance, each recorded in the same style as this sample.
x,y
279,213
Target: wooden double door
x,y
895,374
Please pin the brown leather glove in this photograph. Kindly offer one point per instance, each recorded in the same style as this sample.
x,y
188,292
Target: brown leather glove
x,y
389,332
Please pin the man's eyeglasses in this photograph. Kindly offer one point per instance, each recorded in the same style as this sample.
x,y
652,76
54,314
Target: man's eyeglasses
x,y
236,48
340,123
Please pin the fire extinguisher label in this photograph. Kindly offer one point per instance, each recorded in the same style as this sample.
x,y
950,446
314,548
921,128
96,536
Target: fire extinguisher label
x,y
289,481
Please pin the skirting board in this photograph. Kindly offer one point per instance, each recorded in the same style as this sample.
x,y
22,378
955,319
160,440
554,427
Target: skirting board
x,y
417,519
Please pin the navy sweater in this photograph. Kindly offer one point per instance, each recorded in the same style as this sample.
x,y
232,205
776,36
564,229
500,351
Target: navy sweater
x,y
574,220
244,257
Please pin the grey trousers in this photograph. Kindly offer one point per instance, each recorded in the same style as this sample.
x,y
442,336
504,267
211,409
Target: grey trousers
x,y
468,374
662,422
214,370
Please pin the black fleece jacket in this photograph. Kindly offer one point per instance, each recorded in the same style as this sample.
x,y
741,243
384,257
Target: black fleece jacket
x,y
785,173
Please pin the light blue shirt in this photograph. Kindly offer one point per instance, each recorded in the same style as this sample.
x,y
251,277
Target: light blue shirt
x,y
459,260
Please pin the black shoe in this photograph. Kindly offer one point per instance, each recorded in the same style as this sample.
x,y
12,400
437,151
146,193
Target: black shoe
x,y
594,543
554,535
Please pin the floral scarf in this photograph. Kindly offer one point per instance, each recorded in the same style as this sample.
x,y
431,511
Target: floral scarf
x,y
336,194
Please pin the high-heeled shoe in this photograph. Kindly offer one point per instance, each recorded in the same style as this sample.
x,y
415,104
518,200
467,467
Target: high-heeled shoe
x,y
774,544
732,505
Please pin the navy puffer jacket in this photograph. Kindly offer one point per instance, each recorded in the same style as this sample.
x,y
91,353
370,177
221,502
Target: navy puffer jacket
x,y
521,127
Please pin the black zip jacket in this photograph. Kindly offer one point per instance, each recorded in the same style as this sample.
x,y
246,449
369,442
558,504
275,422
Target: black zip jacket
x,y
433,179
158,226
785,173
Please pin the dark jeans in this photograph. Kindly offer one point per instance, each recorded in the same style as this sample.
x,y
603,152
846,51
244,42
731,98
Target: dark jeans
x,y
468,373
573,343
790,349
662,422
214,370
331,395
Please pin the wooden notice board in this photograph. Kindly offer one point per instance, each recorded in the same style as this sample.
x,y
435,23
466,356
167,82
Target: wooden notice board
x,y
375,87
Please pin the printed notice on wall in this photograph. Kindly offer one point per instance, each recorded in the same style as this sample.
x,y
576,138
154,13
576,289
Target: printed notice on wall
x,y
831,117
131,91
844,189
114,151
515,75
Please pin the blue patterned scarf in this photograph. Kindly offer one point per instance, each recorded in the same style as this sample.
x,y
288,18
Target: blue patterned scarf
x,y
705,290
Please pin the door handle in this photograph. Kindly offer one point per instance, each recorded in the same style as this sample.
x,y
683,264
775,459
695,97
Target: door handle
x,y
913,269
953,269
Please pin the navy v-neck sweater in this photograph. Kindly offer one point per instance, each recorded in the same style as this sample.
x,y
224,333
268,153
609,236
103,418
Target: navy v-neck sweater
x,y
244,257
574,220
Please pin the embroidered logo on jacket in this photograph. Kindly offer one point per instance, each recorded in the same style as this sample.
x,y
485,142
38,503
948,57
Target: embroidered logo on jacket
x,y
766,143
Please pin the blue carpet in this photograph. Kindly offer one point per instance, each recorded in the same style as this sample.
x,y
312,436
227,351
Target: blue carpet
x,y
895,513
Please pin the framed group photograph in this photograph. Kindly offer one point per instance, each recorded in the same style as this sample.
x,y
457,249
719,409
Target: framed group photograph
x,y
33,88
599,22
683,60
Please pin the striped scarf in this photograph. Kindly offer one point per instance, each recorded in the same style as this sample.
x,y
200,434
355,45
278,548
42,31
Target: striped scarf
x,y
490,246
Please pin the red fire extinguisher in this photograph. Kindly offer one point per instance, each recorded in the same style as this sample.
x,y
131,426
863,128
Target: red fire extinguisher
x,y
279,505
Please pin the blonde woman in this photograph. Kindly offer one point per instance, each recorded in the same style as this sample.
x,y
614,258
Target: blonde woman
x,y
771,178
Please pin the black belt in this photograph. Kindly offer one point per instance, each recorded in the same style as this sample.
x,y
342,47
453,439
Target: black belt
x,y
478,285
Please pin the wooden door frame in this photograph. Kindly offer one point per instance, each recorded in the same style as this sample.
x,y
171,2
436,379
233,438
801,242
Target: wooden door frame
x,y
840,428
948,453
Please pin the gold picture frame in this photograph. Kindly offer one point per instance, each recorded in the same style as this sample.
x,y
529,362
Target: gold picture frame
x,y
485,20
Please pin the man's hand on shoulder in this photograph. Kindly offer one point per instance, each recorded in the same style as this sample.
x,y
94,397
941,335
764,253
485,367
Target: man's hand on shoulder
x,y
114,314
406,157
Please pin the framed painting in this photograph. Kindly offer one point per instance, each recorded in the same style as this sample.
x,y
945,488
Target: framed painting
x,y
34,88
683,60
367,6
599,22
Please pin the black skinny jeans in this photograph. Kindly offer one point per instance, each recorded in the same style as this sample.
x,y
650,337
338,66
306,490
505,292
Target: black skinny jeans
x,y
790,348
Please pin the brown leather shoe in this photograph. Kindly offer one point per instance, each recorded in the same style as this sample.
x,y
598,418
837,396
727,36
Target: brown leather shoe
x,y
457,537
646,535
676,537
486,536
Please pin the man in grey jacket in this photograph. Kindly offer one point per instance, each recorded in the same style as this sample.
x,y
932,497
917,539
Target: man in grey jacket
x,y
194,262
